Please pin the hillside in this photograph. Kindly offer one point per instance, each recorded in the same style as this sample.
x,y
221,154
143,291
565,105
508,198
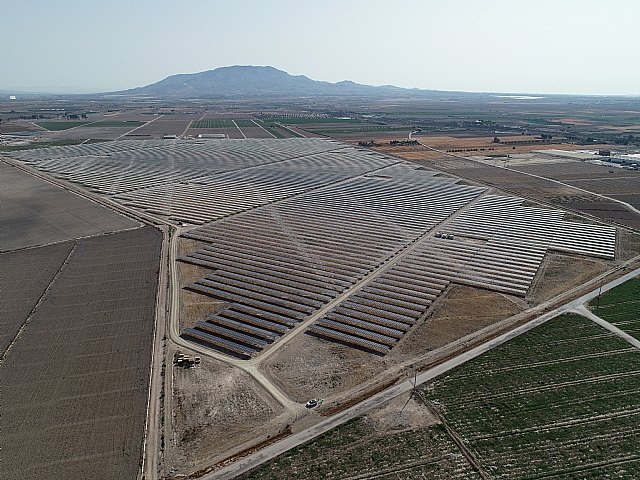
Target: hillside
x,y
255,81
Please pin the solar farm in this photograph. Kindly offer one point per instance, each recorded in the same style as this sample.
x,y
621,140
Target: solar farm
x,y
317,236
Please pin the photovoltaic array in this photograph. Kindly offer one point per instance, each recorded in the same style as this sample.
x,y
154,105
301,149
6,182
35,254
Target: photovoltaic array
x,y
351,244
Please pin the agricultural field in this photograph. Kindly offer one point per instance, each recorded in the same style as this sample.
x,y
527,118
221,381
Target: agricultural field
x,y
213,123
293,120
25,277
560,401
75,382
538,189
60,125
290,132
36,212
275,130
620,306
245,123
34,145
396,442
114,124
256,132
607,180
231,132
168,124
18,126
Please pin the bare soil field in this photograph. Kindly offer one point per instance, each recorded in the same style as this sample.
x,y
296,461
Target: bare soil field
x,y
567,170
19,126
560,273
468,145
25,276
631,199
93,132
217,410
170,125
230,132
36,212
382,138
606,180
459,312
310,367
74,384
255,132
193,307
536,188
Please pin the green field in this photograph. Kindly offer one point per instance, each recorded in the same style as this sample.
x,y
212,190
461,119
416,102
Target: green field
x,y
356,129
290,132
356,450
620,306
57,126
271,128
213,123
115,123
246,123
306,120
561,401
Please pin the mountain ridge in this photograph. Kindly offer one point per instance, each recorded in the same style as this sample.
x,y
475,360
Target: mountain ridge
x,y
250,80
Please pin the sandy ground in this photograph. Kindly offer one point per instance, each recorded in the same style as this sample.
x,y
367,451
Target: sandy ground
x,y
310,367
402,413
460,311
559,273
217,409
194,307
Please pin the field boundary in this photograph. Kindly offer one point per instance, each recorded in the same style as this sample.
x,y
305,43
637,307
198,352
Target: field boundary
x,y
37,304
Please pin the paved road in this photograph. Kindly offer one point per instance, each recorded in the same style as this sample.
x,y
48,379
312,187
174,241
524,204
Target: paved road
x,y
585,312
292,441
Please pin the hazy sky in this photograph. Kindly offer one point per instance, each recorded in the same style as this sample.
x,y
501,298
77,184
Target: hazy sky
x,y
561,46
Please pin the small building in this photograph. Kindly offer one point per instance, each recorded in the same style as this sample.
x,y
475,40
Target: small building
x,y
212,135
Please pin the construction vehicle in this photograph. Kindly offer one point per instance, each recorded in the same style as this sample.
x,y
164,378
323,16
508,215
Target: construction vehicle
x,y
186,361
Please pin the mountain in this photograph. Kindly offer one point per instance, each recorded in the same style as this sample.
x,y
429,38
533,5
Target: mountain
x,y
251,81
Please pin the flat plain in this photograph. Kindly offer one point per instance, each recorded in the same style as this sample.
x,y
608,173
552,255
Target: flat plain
x,y
36,212
560,401
621,307
396,442
74,383
537,189
25,277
